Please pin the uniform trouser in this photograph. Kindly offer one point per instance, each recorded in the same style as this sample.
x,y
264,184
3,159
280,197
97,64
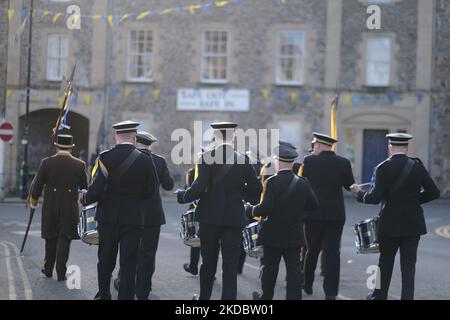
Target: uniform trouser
x,y
146,261
228,240
195,258
57,250
111,236
323,236
272,258
242,258
408,255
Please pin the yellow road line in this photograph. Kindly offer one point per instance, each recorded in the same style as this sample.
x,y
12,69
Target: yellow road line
x,y
25,281
12,288
443,231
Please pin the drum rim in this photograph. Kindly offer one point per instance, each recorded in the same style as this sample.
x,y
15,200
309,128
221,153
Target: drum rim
x,y
252,224
90,206
366,221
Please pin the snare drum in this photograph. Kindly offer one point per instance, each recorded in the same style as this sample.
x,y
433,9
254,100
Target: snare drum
x,y
251,237
366,236
87,228
189,229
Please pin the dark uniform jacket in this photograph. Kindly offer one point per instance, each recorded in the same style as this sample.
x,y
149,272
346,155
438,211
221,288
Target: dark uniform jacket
x,y
154,212
190,177
255,198
328,173
268,170
122,202
221,203
401,214
283,226
61,176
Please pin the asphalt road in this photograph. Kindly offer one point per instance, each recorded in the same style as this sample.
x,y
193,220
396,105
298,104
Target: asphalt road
x,y
20,276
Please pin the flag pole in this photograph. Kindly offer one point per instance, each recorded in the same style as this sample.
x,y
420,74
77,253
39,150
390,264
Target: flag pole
x,y
65,103
64,106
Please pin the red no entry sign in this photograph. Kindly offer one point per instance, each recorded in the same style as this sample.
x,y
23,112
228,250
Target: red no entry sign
x,y
6,131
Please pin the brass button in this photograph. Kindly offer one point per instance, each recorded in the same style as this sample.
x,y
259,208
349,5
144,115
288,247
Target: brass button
x,y
70,190
54,190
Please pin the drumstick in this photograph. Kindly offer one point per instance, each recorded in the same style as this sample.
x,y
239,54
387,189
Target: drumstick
x,y
362,185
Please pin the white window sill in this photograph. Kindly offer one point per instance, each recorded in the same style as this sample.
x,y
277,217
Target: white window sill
x,y
54,80
213,81
137,80
289,84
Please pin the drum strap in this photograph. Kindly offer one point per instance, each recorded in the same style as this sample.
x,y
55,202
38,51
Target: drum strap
x,y
406,170
290,188
125,165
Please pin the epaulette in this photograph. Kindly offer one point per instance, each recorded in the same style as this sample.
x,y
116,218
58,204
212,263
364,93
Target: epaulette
x,y
417,160
158,156
382,163
104,152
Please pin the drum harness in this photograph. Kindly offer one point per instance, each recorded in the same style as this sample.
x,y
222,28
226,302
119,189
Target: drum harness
x,y
405,172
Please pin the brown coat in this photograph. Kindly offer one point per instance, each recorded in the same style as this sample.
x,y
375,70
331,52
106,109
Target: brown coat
x,y
61,176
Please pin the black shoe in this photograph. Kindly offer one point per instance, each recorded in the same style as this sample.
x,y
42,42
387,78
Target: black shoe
x,y
256,295
308,290
190,270
330,298
116,283
62,278
47,274
98,296
371,296
195,297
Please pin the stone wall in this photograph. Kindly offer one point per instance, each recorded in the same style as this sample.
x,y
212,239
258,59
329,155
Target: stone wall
x,y
440,111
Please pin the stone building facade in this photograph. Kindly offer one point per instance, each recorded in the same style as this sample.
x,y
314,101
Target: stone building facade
x,y
3,52
440,107
138,66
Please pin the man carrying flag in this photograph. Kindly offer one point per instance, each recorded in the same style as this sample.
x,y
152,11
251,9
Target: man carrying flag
x,y
60,176
328,174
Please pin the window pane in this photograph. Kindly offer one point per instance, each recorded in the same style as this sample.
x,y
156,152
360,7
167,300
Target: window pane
x,y
214,55
57,53
289,64
378,61
139,54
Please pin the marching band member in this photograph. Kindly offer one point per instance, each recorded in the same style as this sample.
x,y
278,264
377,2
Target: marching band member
x,y
224,176
402,184
61,176
125,178
284,200
154,218
328,174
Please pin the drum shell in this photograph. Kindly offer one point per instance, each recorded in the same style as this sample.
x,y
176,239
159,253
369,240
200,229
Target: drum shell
x,y
87,228
251,243
366,236
190,229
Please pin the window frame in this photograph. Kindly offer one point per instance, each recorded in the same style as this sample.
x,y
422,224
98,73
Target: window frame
x,y
129,78
367,83
64,37
279,56
203,53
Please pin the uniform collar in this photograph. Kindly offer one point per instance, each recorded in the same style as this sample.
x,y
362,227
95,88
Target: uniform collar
x,y
63,153
325,152
398,154
285,171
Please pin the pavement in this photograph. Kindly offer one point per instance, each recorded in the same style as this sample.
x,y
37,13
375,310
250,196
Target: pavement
x,y
20,276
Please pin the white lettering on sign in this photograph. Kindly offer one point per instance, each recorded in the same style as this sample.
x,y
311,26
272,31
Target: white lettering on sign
x,y
213,100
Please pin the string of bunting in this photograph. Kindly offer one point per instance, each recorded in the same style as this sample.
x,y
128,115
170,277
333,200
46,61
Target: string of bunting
x,y
302,97
116,19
